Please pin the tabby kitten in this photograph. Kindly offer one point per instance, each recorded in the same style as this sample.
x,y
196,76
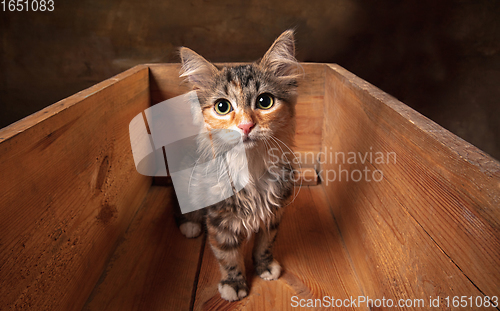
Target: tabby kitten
x,y
258,101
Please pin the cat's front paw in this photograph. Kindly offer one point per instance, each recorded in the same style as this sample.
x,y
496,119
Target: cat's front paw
x,y
271,272
233,290
190,229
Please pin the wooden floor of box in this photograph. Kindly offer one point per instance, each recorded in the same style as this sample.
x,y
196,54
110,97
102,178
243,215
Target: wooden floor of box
x,y
156,268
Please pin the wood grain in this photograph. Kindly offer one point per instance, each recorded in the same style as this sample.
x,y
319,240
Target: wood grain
x,y
309,249
306,177
431,226
69,189
155,266
307,167
309,109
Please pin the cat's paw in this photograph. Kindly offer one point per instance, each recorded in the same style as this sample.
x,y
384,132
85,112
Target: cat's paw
x,y
233,290
190,229
272,272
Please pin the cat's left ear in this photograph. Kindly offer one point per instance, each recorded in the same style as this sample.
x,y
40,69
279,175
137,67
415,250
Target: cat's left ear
x,y
280,57
197,69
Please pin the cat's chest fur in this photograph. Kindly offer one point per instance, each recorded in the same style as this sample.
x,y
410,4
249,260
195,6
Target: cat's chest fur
x,y
268,186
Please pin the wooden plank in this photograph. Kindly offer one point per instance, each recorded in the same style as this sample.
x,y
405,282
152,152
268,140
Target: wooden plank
x,y
306,177
309,109
308,159
307,167
431,225
69,189
322,256
309,248
165,84
309,118
155,266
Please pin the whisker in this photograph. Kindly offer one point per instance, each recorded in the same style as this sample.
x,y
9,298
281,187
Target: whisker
x,y
300,167
191,176
267,146
282,152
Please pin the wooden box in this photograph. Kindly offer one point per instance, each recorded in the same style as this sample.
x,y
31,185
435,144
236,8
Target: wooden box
x,y
412,214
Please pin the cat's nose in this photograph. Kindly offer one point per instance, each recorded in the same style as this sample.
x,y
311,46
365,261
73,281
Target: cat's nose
x,y
246,127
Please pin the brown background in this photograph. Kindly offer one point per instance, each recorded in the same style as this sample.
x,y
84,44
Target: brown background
x,y
440,57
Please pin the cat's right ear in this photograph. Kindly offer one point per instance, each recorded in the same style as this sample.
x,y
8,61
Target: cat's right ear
x,y
198,70
280,57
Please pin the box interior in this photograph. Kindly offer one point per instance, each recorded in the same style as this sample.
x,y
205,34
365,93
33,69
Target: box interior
x,y
81,229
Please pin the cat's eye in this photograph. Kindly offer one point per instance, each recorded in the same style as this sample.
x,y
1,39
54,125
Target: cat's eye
x,y
265,101
223,107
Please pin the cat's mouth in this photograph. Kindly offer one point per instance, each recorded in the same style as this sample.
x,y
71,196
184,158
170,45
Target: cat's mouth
x,y
249,142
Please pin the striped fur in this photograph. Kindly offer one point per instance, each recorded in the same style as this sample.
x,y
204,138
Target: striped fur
x,y
258,207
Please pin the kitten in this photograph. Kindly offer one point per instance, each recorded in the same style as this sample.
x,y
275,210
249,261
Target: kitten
x,y
258,101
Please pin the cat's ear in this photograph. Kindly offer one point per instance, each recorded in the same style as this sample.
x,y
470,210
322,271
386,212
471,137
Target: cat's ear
x,y
280,57
198,70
